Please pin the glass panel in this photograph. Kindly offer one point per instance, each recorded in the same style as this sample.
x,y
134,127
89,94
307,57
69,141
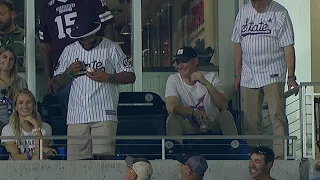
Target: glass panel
x,y
122,15
11,29
121,10
171,24
156,22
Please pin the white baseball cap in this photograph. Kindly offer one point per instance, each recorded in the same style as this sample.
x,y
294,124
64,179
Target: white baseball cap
x,y
141,166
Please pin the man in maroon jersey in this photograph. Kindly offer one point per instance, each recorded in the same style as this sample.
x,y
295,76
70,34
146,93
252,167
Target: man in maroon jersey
x,y
57,19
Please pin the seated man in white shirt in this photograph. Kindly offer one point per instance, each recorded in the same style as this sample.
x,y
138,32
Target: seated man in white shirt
x,y
195,100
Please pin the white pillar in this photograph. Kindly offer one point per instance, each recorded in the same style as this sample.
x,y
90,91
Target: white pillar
x,y
136,36
242,2
30,44
227,11
300,14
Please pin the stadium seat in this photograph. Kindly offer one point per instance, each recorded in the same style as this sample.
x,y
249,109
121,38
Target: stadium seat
x,y
51,113
4,155
140,113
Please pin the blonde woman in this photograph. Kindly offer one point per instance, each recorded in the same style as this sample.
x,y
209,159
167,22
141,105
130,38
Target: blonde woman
x,y
10,83
25,121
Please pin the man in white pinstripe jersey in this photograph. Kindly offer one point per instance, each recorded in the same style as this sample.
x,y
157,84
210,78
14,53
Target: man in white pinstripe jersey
x,y
94,93
264,51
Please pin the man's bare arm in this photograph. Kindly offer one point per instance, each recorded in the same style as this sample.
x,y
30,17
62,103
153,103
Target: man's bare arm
x,y
124,78
237,59
291,59
61,81
173,106
45,49
218,98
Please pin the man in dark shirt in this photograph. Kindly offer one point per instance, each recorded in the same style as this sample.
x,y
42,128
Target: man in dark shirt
x,y
12,35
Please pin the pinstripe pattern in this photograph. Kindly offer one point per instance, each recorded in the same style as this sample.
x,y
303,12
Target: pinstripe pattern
x,y
263,37
89,101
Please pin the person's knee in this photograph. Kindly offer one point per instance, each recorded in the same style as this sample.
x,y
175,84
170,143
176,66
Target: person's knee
x,y
174,119
174,124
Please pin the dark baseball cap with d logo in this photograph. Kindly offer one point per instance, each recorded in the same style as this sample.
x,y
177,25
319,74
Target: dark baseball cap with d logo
x,y
185,54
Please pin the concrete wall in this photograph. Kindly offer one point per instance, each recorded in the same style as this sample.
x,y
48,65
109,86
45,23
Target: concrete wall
x,y
114,170
312,173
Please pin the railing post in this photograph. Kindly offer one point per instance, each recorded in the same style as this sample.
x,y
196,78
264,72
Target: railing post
x,y
163,149
294,152
313,124
285,149
302,122
41,149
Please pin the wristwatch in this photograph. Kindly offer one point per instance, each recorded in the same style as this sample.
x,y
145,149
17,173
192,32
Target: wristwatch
x,y
110,78
292,77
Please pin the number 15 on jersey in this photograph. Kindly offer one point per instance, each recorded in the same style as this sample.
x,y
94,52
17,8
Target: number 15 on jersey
x,y
64,24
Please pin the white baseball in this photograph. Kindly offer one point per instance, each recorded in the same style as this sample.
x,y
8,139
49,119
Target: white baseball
x,y
90,69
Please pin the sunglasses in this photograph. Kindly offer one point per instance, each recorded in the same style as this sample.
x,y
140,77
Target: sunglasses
x,y
260,152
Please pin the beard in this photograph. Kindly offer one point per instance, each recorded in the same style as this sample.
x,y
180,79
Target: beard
x,y
4,26
91,45
255,172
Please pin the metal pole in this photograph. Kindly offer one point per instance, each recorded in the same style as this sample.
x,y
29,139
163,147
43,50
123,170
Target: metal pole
x,y
294,151
30,37
137,44
313,127
41,149
158,62
302,139
285,149
163,149
169,6
149,45
142,137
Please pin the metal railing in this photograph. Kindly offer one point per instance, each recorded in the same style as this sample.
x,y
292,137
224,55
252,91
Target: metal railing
x,y
307,118
288,153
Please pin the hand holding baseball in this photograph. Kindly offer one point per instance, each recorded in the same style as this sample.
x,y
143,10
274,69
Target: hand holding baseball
x,y
90,69
75,67
98,75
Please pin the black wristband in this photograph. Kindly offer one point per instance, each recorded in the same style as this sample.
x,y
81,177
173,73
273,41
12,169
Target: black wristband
x,y
292,77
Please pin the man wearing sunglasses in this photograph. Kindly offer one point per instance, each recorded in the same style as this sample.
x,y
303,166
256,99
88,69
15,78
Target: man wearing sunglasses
x,y
138,169
261,162
195,100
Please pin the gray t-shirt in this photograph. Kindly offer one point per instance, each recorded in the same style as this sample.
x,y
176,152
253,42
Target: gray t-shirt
x,y
4,116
